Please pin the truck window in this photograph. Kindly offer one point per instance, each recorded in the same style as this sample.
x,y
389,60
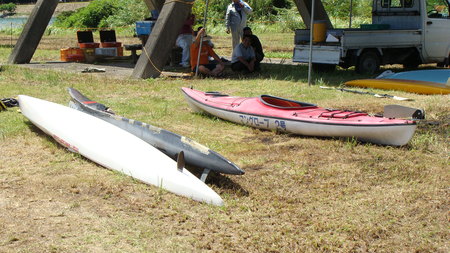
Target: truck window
x,y
437,9
397,3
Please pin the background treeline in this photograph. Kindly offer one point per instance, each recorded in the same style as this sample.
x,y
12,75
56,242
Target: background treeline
x,y
283,13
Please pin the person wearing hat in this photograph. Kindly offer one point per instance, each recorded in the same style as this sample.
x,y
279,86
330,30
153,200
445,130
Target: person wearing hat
x,y
236,19
205,66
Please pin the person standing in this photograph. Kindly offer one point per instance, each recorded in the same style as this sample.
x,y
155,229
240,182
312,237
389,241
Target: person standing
x,y
236,19
244,56
184,39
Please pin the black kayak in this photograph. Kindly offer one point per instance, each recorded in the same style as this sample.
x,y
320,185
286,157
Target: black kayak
x,y
169,143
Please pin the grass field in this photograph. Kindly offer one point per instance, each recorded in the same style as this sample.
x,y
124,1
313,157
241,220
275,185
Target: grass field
x,y
299,194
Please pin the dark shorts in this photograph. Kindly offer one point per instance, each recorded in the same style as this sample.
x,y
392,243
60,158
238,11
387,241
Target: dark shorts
x,y
210,66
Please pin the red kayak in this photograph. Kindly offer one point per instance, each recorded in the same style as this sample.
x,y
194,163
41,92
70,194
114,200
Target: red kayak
x,y
274,113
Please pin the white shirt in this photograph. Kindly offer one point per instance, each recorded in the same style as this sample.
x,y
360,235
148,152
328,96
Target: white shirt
x,y
234,19
241,51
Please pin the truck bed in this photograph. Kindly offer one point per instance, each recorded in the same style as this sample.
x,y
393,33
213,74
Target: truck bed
x,y
351,39
357,38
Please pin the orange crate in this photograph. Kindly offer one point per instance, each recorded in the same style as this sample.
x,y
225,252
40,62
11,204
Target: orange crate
x,y
72,54
111,44
75,58
89,45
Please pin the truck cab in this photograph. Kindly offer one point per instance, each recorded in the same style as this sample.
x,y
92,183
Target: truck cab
x,y
408,32
436,32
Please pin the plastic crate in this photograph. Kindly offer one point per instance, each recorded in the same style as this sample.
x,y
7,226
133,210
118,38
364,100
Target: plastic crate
x,y
85,37
144,27
89,45
72,54
108,36
107,51
111,44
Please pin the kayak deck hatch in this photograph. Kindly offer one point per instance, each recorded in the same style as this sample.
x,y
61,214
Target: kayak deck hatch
x,y
282,103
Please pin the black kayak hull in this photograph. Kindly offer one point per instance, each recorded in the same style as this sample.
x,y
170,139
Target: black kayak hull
x,y
171,144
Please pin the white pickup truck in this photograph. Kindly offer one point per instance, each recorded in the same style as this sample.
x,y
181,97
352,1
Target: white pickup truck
x,y
408,32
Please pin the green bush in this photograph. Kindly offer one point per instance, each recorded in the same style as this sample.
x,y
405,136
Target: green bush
x,y
341,8
289,19
279,15
61,18
92,16
10,7
263,10
128,12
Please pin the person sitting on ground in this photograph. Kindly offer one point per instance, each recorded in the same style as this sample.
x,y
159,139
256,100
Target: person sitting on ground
x,y
205,66
184,39
256,44
212,45
209,41
244,56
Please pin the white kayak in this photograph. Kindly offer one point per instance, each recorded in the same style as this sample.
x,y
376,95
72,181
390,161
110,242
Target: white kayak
x,y
114,148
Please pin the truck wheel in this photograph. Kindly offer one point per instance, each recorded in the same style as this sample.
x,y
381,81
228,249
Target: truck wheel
x,y
368,63
412,62
411,65
323,68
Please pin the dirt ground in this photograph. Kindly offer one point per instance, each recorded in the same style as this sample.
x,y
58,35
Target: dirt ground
x,y
26,9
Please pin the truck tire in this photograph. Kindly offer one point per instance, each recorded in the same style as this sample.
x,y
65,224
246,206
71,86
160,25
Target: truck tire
x,y
412,61
368,63
411,65
323,68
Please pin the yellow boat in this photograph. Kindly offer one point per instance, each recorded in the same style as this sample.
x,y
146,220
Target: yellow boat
x,y
419,87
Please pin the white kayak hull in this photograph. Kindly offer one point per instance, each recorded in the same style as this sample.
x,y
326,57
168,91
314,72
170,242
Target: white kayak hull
x,y
114,148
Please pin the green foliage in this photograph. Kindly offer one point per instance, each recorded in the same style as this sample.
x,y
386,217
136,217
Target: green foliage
x,y
128,12
341,8
263,10
92,16
104,14
61,18
269,15
10,7
289,19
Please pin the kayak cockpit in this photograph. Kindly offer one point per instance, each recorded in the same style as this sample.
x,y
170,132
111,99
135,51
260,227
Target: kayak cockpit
x,y
282,103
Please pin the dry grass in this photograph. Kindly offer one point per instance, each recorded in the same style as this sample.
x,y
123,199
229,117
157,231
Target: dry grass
x,y
299,194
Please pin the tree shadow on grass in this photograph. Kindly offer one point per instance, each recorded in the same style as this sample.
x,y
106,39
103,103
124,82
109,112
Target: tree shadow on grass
x,y
299,73
288,72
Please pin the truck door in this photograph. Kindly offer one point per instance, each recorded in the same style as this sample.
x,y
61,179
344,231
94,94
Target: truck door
x,y
437,30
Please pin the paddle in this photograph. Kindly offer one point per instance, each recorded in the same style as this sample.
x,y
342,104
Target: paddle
x,y
368,93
